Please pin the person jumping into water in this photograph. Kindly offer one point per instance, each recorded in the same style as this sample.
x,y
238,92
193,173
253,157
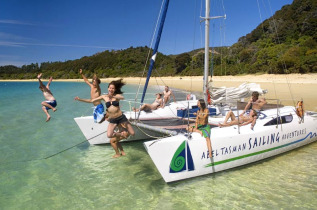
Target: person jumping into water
x,y
50,102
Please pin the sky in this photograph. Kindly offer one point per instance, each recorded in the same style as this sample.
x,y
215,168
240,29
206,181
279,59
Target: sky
x,y
36,31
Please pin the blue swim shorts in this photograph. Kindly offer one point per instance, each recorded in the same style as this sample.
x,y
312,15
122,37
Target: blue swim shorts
x,y
98,113
52,103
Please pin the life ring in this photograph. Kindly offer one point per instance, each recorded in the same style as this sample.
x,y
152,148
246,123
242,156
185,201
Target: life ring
x,y
300,109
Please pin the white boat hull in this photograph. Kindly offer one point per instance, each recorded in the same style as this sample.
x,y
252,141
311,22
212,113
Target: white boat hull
x,y
96,133
179,157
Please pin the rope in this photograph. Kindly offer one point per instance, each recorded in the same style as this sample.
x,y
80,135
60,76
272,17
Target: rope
x,y
47,157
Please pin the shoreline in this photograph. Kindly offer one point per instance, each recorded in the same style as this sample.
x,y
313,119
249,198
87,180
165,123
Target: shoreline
x,y
262,78
287,88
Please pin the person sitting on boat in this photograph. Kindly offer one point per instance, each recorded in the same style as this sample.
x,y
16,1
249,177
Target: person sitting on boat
x,y
243,119
95,92
255,103
201,125
158,102
114,113
167,95
50,102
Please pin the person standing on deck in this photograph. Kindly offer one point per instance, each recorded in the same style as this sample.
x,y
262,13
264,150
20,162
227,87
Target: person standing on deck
x,y
50,102
95,92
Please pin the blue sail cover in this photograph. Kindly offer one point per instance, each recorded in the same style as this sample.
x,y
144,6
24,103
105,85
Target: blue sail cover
x,y
158,38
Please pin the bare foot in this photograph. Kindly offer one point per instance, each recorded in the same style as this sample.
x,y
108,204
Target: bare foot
x,y
55,109
123,153
220,125
116,156
48,118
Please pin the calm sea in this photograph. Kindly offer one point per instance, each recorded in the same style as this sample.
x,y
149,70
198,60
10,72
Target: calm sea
x,y
46,165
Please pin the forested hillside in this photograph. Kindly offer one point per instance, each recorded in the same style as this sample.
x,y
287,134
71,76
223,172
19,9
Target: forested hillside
x,y
285,43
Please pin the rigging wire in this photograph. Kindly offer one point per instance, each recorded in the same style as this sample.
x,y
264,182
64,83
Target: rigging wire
x,y
150,49
273,22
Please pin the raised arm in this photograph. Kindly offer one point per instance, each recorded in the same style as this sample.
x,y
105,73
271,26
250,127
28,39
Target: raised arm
x,y
85,79
39,78
49,82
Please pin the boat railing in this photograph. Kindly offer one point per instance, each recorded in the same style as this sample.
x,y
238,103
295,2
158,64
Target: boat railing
x,y
278,104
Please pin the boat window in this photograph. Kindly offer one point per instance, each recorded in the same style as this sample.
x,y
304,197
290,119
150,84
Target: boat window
x,y
280,120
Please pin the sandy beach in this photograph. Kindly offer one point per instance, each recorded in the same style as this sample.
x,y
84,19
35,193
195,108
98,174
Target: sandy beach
x,y
284,87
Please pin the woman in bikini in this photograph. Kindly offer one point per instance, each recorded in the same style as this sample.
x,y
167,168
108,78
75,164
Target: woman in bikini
x,y
201,125
115,116
244,119
156,104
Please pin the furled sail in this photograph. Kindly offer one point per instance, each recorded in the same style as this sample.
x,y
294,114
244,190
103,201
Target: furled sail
x,y
230,94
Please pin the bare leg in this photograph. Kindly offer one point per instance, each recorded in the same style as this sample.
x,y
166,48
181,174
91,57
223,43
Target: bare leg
x,y
209,147
225,122
48,116
110,131
113,142
121,148
130,129
198,131
134,109
49,106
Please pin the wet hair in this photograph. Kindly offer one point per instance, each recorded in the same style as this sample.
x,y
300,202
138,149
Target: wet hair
x,y
118,84
202,104
256,94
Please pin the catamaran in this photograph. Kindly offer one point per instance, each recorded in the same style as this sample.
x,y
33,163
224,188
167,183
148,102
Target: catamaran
x,y
277,130
179,155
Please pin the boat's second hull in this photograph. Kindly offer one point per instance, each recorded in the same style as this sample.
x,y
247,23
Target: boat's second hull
x,y
96,133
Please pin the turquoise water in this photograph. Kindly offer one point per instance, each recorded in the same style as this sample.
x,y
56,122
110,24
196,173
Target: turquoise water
x,y
36,172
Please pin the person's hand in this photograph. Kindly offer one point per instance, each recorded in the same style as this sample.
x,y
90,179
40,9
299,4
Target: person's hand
x,y
80,71
39,76
76,98
195,113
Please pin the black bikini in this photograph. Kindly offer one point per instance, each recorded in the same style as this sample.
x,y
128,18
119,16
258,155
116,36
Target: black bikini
x,y
113,103
118,120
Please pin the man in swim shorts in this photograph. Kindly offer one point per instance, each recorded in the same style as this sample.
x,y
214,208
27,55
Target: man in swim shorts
x,y
50,102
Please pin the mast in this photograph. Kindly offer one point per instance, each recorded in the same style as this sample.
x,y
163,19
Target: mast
x,y
207,20
206,69
158,38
